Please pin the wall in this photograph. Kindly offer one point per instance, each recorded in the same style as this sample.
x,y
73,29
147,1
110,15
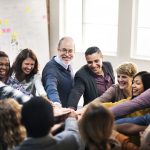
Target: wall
x,y
124,36
23,24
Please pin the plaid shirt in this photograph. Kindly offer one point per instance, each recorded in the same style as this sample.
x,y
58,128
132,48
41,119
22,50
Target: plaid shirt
x,y
9,92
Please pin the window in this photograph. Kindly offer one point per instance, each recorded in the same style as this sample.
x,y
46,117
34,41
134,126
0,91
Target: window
x,y
100,24
73,21
92,23
141,38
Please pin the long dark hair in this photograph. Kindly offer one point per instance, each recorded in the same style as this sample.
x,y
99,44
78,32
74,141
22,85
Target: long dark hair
x,y
17,65
145,77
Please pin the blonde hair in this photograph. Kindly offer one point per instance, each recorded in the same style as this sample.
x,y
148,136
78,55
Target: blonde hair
x,y
127,68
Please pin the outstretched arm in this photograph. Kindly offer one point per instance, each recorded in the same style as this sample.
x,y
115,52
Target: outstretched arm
x,y
130,128
39,85
76,93
50,82
140,102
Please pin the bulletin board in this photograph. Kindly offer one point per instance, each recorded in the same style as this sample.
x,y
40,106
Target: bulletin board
x,y
23,24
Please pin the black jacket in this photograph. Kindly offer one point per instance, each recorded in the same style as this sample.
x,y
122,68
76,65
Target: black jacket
x,y
85,85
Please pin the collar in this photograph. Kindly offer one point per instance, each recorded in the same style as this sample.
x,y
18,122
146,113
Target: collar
x,y
1,84
59,61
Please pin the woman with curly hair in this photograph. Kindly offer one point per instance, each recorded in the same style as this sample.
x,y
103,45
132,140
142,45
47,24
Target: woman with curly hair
x,y
24,74
12,133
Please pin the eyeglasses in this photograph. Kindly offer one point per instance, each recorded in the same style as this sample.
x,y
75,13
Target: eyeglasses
x,y
64,50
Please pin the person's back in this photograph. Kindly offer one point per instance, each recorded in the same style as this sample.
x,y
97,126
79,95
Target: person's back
x,y
37,117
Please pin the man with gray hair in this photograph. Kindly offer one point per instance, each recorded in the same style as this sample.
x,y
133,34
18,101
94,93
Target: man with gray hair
x,y
57,75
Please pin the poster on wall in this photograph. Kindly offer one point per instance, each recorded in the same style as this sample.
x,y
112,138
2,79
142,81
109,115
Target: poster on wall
x,y
23,24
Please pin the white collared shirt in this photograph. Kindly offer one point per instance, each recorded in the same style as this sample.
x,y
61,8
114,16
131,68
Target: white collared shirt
x,y
59,61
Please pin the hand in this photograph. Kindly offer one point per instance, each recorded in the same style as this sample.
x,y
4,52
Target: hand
x,y
114,134
61,114
81,111
56,106
73,114
59,111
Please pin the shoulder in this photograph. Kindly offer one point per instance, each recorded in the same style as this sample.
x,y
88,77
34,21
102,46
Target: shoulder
x,y
107,64
110,93
117,92
83,71
50,67
51,63
37,76
114,87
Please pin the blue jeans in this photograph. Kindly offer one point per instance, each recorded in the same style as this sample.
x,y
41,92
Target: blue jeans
x,y
140,120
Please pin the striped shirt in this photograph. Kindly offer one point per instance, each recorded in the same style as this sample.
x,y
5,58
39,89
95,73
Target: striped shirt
x,y
9,92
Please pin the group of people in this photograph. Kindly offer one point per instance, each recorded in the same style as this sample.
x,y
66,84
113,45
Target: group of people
x,y
64,88
22,80
58,82
108,106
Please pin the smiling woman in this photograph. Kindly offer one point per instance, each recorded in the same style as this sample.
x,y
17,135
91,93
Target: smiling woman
x,y
120,92
4,66
24,74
